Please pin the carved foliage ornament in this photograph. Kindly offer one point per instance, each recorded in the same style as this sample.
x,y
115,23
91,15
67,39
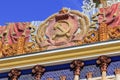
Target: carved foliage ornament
x,y
103,62
14,74
77,65
38,71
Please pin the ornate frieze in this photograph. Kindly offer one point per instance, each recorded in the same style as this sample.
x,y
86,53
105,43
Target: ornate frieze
x,y
67,28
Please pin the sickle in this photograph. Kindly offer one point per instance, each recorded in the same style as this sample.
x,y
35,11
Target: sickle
x,y
64,32
41,28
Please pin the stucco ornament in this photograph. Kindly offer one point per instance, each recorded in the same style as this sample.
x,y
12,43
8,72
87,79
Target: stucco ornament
x,y
62,29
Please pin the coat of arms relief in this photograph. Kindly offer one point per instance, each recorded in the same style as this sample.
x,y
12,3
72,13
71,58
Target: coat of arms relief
x,y
98,22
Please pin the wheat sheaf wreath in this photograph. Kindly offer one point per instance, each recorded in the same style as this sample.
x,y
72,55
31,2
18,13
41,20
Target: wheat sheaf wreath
x,y
83,22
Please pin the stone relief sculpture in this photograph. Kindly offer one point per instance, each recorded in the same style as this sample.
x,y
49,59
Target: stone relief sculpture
x,y
67,28
63,29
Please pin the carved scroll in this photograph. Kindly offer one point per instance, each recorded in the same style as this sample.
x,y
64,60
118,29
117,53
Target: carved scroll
x,y
76,65
38,71
91,37
114,32
14,74
103,62
117,73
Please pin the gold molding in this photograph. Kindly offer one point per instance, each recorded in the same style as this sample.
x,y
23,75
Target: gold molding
x,y
61,55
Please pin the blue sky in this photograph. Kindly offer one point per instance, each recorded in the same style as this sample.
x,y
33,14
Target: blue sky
x,y
29,10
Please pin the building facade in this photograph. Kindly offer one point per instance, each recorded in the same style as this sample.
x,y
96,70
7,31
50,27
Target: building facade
x,y
68,45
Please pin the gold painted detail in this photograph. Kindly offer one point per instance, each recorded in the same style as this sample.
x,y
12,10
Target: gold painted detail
x,y
69,28
80,53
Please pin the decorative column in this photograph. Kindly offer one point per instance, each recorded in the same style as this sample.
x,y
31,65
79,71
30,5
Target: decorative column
x,y
76,65
89,76
103,62
62,77
14,74
50,79
117,72
38,71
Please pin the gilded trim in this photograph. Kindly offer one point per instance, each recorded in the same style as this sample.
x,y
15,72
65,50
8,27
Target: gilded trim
x,y
78,53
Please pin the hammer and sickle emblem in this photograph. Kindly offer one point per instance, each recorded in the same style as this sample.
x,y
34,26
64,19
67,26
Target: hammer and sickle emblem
x,y
63,32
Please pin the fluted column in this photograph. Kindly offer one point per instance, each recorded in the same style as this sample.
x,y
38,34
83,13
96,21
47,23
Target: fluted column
x,y
89,76
14,74
38,71
62,77
117,74
76,65
103,62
